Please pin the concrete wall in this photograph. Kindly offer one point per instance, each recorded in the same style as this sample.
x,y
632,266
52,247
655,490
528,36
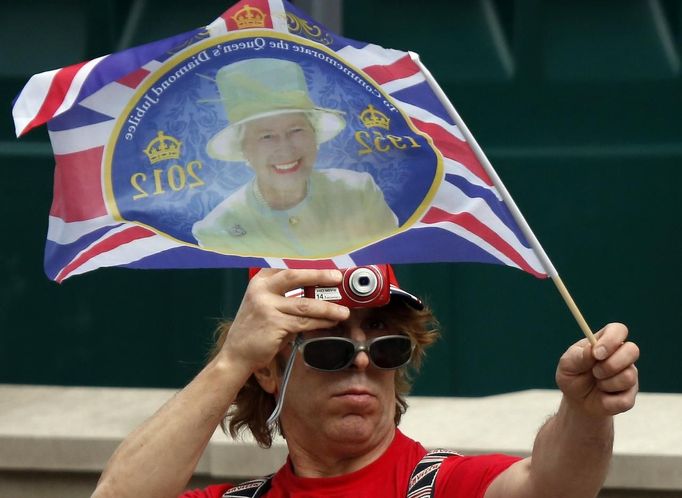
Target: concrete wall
x,y
54,441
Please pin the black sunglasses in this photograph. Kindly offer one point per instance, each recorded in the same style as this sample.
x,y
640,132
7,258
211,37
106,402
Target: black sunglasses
x,y
336,353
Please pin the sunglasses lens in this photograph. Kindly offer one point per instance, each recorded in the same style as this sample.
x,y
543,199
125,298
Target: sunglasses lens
x,y
329,353
391,352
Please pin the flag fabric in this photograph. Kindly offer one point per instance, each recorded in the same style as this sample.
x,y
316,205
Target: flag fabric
x,y
142,166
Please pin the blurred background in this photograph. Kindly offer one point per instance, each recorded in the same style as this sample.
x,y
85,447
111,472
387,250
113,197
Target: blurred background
x,y
577,104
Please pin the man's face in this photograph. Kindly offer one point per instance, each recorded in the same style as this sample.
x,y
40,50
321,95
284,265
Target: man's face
x,y
282,150
348,409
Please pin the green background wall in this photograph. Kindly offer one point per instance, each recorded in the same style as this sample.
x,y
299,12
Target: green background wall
x,y
577,105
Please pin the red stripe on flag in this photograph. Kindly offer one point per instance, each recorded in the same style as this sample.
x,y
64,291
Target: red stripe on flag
x,y
453,148
77,186
59,87
402,68
255,14
105,245
132,80
318,264
473,225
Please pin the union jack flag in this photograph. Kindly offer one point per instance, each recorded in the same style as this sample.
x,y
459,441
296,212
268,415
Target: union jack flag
x,y
467,218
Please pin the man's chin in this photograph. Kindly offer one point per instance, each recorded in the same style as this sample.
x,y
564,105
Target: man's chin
x,y
355,428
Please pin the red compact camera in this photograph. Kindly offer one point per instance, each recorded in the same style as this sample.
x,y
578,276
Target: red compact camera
x,y
361,287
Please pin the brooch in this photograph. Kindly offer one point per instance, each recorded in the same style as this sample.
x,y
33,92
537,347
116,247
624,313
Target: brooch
x,y
237,231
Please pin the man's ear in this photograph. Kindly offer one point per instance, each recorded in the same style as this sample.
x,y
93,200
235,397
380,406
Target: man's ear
x,y
268,377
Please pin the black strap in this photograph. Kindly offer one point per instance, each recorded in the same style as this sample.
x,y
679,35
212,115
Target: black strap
x,y
423,479
421,485
250,489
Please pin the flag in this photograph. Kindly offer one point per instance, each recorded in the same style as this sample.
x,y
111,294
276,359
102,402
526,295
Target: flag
x,y
155,165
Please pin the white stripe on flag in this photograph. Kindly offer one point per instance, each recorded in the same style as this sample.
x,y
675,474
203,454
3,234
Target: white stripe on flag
x,y
77,84
344,261
83,138
31,99
402,83
125,253
275,263
424,115
152,65
456,168
370,55
279,16
63,232
217,28
109,100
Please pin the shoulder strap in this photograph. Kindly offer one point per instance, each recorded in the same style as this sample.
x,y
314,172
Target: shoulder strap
x,y
250,489
423,478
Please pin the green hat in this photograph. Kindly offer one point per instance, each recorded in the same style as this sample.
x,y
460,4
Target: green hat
x,y
256,88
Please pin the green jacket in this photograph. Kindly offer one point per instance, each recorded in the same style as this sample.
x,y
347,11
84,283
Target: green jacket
x,y
343,211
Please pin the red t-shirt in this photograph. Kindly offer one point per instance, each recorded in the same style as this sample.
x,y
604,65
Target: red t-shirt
x,y
458,477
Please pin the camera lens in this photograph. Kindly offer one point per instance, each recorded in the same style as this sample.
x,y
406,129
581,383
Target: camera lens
x,y
363,282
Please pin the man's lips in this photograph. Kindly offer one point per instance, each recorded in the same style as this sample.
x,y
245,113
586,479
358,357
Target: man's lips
x,y
356,401
358,393
286,168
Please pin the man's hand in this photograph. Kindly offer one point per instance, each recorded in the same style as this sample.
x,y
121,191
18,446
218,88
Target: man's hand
x,y
602,380
572,451
267,320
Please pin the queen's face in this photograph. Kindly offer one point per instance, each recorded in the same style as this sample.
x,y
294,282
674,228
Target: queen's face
x,y
282,150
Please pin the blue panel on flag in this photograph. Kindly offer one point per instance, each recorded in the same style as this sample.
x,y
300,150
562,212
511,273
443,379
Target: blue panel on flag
x,y
425,245
190,257
421,96
77,117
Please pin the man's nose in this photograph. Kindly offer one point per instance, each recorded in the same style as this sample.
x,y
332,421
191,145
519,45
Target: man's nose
x,y
361,360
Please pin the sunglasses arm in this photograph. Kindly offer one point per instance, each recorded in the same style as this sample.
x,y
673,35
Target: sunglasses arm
x,y
285,381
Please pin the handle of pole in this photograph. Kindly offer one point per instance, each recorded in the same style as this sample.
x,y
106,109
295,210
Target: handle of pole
x,y
574,309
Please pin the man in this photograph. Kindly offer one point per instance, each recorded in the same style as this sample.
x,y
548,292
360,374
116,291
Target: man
x,y
340,424
288,209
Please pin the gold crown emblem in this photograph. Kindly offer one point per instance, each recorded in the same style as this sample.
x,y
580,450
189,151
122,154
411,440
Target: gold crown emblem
x,y
249,17
163,147
372,118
